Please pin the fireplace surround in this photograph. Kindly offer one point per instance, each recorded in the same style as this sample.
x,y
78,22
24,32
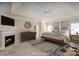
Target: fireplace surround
x,y
7,39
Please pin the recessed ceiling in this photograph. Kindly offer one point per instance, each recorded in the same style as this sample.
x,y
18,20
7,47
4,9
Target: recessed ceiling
x,y
46,10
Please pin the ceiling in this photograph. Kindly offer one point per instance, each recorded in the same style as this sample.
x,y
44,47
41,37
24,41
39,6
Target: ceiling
x,y
46,10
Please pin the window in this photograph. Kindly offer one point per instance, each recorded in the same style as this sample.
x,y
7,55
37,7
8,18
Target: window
x,y
75,28
49,28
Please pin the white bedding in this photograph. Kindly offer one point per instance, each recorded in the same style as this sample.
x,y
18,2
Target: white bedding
x,y
55,36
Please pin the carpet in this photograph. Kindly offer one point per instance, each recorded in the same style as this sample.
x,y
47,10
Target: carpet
x,y
44,46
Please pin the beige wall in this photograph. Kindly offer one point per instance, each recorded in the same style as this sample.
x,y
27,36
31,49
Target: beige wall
x,y
20,25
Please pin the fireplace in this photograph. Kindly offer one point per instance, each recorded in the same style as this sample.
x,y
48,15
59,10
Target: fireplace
x,y
9,40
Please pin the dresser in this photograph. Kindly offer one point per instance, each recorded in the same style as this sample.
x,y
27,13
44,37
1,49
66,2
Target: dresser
x,y
27,36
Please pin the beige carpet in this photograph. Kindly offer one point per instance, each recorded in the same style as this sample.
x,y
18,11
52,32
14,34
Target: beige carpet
x,y
44,46
27,49
23,49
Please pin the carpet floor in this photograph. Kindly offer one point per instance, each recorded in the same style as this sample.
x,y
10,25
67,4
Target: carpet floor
x,y
44,46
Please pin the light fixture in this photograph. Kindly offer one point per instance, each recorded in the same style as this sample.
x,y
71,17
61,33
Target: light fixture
x,y
48,12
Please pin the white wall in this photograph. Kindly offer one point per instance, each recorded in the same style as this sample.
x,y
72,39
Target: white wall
x,y
4,8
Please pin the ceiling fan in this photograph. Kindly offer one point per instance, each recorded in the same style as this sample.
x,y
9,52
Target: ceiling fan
x,y
48,12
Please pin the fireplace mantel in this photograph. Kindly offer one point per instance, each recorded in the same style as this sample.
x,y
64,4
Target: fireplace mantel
x,y
4,28
3,35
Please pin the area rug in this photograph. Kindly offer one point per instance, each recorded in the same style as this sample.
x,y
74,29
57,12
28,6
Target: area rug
x,y
44,46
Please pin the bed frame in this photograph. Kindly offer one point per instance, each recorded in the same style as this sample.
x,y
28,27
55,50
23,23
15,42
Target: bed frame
x,y
56,41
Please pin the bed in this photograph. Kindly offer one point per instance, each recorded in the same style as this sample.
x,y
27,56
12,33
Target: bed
x,y
55,38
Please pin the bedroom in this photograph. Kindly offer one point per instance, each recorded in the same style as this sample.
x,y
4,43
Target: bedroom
x,y
45,28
